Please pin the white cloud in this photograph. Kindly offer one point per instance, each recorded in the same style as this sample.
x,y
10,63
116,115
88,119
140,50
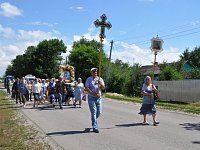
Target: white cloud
x,y
56,32
78,8
22,40
38,23
8,10
170,55
7,53
88,36
4,63
10,50
7,32
37,35
132,53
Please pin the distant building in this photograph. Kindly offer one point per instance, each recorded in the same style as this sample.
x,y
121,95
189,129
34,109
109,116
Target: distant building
x,y
187,66
148,70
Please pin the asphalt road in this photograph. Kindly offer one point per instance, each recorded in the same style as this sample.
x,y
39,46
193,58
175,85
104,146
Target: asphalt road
x,y
120,128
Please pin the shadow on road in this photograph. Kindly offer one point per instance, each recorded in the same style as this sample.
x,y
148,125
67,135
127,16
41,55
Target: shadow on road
x,y
124,125
87,130
191,126
129,125
196,142
50,107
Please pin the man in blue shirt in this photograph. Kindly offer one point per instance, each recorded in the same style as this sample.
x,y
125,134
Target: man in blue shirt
x,y
94,85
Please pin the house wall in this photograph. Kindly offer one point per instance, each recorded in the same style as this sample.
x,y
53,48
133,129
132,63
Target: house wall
x,y
180,91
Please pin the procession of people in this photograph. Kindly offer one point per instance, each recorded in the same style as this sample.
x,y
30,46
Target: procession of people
x,y
58,92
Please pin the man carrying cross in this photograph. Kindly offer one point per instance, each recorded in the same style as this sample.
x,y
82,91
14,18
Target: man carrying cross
x,y
94,85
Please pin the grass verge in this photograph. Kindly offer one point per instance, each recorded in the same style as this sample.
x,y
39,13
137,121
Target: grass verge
x,y
185,107
15,133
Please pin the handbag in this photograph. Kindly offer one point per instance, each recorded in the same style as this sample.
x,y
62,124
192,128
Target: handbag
x,y
156,95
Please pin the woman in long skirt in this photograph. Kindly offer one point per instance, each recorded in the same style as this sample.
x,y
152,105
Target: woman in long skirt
x,y
79,88
148,105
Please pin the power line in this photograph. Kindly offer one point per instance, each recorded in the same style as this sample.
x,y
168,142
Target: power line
x,y
174,28
173,35
182,35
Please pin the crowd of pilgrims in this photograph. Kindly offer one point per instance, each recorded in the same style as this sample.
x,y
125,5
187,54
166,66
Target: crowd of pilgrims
x,y
55,91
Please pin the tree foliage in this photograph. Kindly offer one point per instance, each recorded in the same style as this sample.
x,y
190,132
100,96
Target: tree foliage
x,y
170,73
124,79
42,60
193,58
84,56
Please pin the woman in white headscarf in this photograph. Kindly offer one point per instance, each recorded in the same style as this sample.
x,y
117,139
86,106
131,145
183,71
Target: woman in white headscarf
x,y
148,105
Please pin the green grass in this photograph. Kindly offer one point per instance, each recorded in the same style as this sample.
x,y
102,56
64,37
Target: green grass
x,y
15,133
185,107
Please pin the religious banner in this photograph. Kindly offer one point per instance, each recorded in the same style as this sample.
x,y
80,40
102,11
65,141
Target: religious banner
x,y
67,73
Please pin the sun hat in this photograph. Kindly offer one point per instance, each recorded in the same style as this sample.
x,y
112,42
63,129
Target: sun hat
x,y
93,69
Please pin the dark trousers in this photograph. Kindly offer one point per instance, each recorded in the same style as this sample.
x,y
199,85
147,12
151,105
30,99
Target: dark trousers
x,y
17,97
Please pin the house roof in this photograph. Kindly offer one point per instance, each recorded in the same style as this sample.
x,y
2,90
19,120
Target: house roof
x,y
187,66
147,70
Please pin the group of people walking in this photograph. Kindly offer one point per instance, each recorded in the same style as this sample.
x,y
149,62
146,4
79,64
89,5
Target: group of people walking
x,y
41,90
60,91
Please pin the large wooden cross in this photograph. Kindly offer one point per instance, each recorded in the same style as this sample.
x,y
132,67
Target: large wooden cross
x,y
102,24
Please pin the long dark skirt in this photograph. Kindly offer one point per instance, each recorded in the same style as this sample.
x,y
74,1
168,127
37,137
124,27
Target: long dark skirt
x,y
147,109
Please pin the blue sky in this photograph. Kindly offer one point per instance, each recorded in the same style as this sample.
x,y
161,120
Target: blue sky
x,y
134,23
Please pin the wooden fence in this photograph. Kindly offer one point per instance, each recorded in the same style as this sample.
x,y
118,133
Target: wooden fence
x,y
181,91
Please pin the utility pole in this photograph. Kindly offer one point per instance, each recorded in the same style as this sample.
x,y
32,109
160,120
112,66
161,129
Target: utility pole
x,y
102,24
111,46
108,69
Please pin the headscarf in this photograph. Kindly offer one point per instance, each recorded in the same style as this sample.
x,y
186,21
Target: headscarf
x,y
145,80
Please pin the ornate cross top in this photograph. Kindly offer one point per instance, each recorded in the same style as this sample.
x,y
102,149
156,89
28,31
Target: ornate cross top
x,y
103,24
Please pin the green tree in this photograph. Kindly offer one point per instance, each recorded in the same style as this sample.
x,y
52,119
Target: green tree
x,y
9,70
84,56
195,57
170,73
47,57
137,80
42,61
18,66
186,55
124,79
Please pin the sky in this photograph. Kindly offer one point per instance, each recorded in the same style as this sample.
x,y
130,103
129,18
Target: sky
x,y
25,23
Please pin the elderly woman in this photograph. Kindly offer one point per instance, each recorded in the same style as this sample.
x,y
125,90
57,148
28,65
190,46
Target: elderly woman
x,y
79,87
148,105
36,90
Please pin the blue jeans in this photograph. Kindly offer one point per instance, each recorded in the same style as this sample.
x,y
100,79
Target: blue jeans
x,y
95,105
